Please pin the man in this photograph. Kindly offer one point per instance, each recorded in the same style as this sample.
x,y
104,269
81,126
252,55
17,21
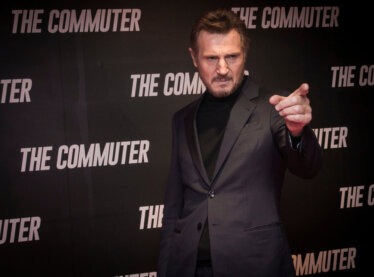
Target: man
x,y
230,151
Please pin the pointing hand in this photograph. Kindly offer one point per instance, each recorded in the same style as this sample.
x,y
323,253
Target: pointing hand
x,y
294,108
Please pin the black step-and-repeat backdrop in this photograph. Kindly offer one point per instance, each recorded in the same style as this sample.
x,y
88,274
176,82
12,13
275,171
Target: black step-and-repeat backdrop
x,y
87,92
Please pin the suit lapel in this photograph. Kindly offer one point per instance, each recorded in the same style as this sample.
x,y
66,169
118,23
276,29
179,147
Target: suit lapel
x,y
193,142
238,117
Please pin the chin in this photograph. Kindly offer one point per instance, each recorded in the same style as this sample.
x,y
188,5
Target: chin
x,y
221,94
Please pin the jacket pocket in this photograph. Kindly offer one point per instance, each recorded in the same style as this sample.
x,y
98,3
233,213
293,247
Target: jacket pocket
x,y
264,227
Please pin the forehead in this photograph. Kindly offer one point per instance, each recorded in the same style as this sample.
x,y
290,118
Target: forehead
x,y
230,41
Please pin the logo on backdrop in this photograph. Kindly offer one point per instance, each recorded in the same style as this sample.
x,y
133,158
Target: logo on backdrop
x,y
288,17
332,137
144,274
351,75
325,261
76,21
15,90
16,230
180,83
80,155
356,196
151,217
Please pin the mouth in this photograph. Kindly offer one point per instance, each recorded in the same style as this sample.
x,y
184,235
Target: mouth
x,y
221,80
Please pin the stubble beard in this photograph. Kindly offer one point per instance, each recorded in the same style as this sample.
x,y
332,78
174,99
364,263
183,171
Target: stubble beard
x,y
228,91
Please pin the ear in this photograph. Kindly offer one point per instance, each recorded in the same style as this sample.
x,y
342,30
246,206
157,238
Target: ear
x,y
193,56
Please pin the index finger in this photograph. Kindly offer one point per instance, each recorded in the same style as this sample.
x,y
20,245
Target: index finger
x,y
302,90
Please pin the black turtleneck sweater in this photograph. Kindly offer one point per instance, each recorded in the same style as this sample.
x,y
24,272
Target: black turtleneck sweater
x,y
212,118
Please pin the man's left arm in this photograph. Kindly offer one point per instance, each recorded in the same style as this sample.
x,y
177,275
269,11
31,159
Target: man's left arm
x,y
303,152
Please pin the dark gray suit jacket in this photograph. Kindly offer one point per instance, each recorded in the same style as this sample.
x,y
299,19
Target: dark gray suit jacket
x,y
241,201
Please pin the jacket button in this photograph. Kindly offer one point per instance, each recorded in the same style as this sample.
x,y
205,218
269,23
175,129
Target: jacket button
x,y
211,193
199,226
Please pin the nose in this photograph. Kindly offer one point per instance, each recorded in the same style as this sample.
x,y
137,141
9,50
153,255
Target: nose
x,y
222,67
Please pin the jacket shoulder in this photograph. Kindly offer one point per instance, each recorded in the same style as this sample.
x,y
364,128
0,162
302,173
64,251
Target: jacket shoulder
x,y
190,107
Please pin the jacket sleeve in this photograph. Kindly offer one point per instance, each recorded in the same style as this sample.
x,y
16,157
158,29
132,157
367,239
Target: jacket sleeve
x,y
305,161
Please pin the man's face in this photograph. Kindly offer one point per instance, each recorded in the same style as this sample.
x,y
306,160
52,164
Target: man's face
x,y
220,61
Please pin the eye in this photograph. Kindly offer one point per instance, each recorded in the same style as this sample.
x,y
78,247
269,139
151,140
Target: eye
x,y
231,58
211,58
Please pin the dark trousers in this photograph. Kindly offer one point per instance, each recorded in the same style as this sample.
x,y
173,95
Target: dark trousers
x,y
204,271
